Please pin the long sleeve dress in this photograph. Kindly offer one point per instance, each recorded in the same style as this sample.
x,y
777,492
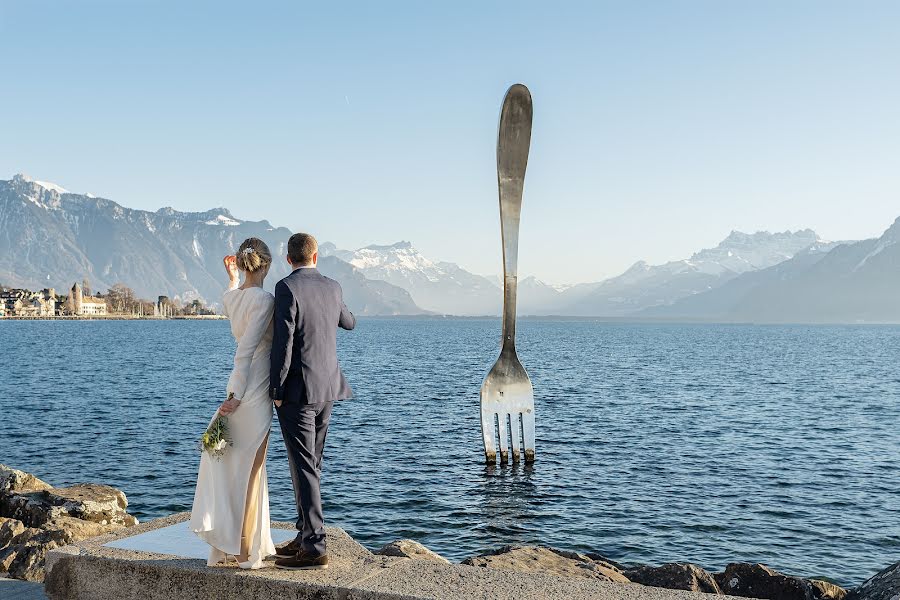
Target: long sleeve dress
x,y
231,502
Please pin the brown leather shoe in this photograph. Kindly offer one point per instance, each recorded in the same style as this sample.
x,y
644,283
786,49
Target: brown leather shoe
x,y
303,561
289,550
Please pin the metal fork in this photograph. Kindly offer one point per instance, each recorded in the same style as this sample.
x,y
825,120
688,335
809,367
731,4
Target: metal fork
x,y
507,396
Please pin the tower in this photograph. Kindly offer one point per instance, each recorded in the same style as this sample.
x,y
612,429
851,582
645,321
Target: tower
x,y
76,298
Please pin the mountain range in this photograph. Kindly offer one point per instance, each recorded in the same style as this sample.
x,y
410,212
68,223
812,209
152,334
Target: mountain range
x,y
51,237
442,287
825,283
643,286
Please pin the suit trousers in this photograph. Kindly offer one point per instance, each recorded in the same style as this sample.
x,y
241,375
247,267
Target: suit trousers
x,y
304,427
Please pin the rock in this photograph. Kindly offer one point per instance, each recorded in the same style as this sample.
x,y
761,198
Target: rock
x,y
26,535
75,530
36,518
410,549
31,548
826,589
539,559
759,581
675,576
9,529
14,480
89,502
602,559
27,549
92,502
32,508
883,586
7,555
28,563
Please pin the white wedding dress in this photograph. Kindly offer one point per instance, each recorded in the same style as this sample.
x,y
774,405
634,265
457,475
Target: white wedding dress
x,y
231,502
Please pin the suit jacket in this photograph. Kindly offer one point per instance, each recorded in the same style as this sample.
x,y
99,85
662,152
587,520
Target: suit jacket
x,y
309,308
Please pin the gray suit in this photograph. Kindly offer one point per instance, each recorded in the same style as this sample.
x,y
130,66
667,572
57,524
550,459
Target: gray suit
x,y
306,376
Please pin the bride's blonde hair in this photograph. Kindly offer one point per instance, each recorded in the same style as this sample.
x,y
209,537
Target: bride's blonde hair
x,y
253,255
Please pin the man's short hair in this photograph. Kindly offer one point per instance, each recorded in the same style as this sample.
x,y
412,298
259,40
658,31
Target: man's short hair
x,y
301,248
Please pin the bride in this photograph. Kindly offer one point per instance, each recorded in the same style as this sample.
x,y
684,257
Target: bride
x,y
231,502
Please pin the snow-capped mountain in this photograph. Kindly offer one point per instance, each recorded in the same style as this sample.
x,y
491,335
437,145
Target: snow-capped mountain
x,y
441,287
643,285
50,238
447,288
842,282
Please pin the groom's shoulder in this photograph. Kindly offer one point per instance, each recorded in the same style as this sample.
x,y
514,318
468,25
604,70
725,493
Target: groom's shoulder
x,y
286,281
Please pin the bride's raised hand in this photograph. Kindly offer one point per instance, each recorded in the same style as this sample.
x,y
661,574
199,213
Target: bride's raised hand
x,y
231,268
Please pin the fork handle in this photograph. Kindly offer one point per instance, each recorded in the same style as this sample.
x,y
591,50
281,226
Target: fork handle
x,y
513,142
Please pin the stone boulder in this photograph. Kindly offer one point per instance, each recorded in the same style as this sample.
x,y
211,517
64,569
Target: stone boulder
x,y
89,502
24,554
410,549
31,554
7,556
36,518
14,480
31,508
602,559
675,576
883,586
540,559
13,536
75,530
92,502
759,581
9,529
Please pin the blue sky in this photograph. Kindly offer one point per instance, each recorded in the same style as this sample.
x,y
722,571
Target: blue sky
x,y
658,126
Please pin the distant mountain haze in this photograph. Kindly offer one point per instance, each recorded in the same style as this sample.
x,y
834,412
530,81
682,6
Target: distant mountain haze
x,y
441,287
643,286
50,237
842,282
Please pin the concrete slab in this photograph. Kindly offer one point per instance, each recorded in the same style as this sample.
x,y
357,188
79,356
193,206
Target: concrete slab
x,y
422,579
178,540
13,589
155,561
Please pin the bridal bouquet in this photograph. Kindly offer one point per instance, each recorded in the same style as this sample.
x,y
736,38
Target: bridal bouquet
x,y
215,439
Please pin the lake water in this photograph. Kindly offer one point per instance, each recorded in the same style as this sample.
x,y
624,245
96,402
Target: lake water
x,y
655,443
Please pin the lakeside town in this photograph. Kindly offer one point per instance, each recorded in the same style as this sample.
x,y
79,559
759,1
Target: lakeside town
x,y
119,302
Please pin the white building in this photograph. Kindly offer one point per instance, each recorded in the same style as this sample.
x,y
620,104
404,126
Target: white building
x,y
25,303
87,306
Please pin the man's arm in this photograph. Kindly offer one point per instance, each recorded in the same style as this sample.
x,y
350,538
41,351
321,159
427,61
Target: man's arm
x,y
347,320
284,321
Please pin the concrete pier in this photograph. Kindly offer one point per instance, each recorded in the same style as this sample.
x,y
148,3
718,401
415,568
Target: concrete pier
x,y
159,560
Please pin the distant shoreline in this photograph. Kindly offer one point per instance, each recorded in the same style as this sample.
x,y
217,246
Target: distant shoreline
x,y
626,320
557,318
118,318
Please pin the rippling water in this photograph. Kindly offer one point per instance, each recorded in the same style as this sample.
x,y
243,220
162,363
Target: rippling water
x,y
703,443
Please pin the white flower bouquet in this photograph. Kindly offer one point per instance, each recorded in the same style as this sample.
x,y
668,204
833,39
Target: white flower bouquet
x,y
215,440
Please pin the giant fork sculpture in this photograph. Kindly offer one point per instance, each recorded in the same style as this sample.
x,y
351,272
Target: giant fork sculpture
x,y
507,397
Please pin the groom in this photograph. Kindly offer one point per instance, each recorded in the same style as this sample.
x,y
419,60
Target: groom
x,y
305,380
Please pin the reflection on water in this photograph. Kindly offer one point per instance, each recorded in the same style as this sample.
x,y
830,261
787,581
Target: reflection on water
x,y
507,499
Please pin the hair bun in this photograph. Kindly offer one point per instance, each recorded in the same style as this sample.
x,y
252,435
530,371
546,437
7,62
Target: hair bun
x,y
253,255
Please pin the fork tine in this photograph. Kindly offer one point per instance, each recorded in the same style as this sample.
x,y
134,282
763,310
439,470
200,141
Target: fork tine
x,y
515,434
528,434
503,438
487,432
